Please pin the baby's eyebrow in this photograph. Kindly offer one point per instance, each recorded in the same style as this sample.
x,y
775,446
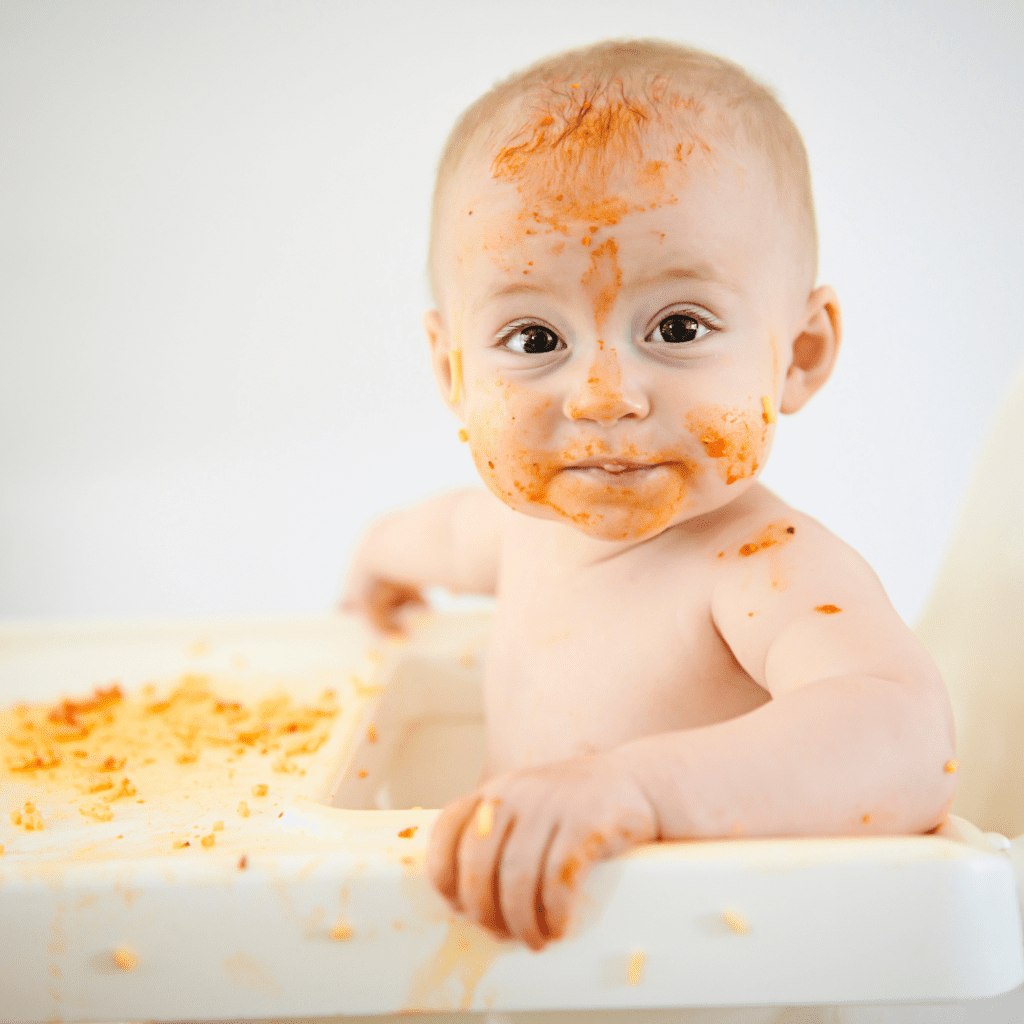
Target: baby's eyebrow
x,y
516,288
695,272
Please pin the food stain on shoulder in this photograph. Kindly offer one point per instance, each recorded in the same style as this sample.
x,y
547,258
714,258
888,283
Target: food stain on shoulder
x,y
735,438
778,532
828,609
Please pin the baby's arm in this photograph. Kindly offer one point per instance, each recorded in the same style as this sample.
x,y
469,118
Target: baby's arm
x,y
451,541
856,740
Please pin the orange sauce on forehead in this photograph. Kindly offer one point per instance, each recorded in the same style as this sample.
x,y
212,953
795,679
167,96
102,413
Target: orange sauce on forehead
x,y
563,158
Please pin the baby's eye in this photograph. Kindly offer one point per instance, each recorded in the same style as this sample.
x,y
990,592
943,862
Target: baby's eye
x,y
532,339
677,328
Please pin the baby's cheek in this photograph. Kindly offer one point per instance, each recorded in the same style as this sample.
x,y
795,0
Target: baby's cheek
x,y
737,439
508,456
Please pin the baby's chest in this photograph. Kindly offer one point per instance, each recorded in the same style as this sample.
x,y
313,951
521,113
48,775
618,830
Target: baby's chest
x,y
591,659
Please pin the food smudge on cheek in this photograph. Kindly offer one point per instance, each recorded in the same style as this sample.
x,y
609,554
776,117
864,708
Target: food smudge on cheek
x,y
736,439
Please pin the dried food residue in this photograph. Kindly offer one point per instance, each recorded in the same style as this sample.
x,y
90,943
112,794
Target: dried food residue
x,y
113,746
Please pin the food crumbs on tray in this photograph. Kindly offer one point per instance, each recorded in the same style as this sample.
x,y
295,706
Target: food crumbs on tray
x,y
371,733
97,813
209,840
243,862
260,789
635,970
407,833
828,609
341,933
125,959
484,818
951,766
735,922
243,809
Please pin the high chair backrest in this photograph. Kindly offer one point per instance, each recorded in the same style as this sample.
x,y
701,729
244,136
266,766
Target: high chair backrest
x,y
974,627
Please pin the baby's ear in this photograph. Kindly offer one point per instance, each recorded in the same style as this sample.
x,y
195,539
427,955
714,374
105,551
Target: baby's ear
x,y
437,335
814,349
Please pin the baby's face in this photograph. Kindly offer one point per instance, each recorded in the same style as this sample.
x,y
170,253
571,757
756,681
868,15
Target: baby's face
x,y
625,339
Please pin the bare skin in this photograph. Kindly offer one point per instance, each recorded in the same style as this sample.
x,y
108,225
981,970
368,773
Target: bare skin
x,y
675,653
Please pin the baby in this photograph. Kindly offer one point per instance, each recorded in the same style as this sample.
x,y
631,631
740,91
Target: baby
x,y
623,259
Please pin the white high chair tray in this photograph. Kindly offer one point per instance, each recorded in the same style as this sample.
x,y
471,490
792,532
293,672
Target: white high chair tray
x,y
148,894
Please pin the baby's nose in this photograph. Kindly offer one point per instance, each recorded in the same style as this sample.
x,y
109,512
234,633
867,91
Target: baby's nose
x,y
605,395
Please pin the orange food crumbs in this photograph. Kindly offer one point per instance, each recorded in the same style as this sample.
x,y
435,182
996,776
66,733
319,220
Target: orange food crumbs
x,y
260,789
112,764
635,969
15,817
362,773
217,826
484,818
735,922
1,849
125,959
769,409
125,789
748,549
828,609
97,813
951,766
187,757
101,786
29,807
463,434
865,819
586,241
341,933
568,872
209,840
243,862
180,844
407,833
243,809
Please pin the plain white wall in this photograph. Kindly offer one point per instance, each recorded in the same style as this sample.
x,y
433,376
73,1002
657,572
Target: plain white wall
x,y
213,219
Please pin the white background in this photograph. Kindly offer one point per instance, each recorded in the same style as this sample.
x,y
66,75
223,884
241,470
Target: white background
x,y
213,220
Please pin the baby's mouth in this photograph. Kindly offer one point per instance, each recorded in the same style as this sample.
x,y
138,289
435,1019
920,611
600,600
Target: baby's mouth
x,y
614,466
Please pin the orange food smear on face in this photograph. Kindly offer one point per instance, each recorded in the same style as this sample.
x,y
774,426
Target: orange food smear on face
x,y
735,438
828,609
603,280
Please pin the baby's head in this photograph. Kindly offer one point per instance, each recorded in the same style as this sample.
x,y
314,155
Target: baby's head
x,y
623,254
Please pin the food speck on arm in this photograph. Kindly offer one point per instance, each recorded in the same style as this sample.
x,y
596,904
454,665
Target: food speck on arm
x,y
371,734
362,773
951,766
828,609
407,833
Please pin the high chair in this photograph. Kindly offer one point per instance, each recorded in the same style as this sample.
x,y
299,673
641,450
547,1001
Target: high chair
x,y
263,857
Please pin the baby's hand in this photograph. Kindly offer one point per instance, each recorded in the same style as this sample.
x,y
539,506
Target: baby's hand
x,y
380,600
512,854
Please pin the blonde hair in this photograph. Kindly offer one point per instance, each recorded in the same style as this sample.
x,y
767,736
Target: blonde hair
x,y
599,101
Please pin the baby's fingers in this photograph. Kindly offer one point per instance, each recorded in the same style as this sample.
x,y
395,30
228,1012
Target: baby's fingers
x,y
568,863
386,599
442,850
519,881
